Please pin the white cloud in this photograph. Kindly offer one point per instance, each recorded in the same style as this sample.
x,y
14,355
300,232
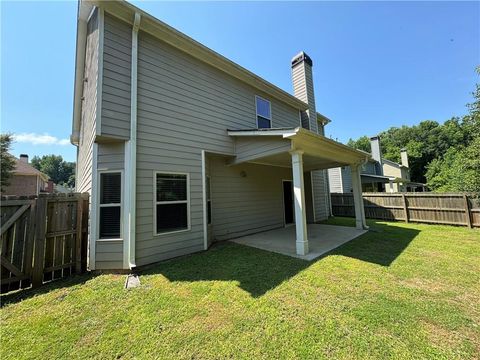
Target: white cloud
x,y
40,139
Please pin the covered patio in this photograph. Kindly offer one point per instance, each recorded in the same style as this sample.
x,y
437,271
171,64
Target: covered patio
x,y
321,239
303,151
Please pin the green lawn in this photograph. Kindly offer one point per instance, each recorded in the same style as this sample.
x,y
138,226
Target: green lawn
x,y
400,291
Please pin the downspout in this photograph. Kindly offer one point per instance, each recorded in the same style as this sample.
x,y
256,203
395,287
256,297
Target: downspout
x,y
131,156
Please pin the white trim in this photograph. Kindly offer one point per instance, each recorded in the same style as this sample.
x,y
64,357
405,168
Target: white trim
x,y
122,205
93,209
256,112
299,196
204,200
264,132
341,179
155,203
131,159
92,11
101,34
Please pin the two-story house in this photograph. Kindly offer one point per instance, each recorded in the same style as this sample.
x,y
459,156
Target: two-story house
x,y
377,174
180,147
26,180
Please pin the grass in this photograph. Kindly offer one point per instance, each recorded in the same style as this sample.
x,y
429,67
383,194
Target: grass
x,y
400,291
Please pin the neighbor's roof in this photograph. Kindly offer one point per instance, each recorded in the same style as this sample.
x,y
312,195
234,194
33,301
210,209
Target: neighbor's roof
x,y
392,163
175,38
323,119
23,168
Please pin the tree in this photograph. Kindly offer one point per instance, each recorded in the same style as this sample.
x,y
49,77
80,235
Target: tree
x,y
362,143
59,171
7,161
445,156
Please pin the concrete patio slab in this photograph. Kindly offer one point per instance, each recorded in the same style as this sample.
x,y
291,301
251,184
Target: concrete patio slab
x,y
321,239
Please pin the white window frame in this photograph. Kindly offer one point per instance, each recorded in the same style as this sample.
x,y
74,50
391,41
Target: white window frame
x,y
257,115
99,189
155,203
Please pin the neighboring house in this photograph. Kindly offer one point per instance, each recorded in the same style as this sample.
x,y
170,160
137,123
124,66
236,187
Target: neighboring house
x,y
378,174
180,147
26,180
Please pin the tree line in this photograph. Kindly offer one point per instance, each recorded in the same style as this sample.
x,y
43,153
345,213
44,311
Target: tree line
x,y
444,156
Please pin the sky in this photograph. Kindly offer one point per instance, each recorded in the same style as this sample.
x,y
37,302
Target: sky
x,y
375,64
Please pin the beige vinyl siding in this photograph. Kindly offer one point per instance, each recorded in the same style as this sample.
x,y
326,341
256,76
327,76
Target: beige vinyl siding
x,y
303,89
109,253
111,156
309,204
89,109
347,179
117,53
321,195
185,106
248,202
247,148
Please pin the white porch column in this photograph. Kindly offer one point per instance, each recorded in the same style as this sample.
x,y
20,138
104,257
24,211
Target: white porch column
x,y
299,196
357,197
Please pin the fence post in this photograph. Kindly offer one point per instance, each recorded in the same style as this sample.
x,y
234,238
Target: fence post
x,y
30,240
39,254
467,211
405,208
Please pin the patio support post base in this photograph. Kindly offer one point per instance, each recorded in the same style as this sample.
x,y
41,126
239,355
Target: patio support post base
x,y
360,221
299,197
302,247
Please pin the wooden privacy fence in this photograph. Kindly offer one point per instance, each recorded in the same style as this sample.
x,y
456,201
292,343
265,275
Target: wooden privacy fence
x,y
42,238
451,209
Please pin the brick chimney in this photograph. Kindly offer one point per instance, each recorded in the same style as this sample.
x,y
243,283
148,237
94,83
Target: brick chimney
x,y
302,77
24,158
404,157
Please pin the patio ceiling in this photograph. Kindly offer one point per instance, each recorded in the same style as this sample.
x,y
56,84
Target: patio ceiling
x,y
272,147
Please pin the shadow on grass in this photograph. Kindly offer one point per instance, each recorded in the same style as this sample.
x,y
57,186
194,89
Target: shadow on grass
x,y
382,244
259,271
19,295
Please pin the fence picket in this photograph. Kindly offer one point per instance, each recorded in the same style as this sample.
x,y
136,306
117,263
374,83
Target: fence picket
x,y
431,208
41,238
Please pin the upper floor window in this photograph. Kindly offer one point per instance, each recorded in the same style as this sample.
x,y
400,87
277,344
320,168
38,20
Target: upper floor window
x,y
264,113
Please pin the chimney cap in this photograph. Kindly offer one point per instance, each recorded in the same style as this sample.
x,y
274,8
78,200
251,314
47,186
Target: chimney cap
x,y
24,158
300,57
403,150
376,137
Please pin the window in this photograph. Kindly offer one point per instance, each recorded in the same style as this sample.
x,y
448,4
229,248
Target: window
x,y
110,205
171,202
264,113
209,203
